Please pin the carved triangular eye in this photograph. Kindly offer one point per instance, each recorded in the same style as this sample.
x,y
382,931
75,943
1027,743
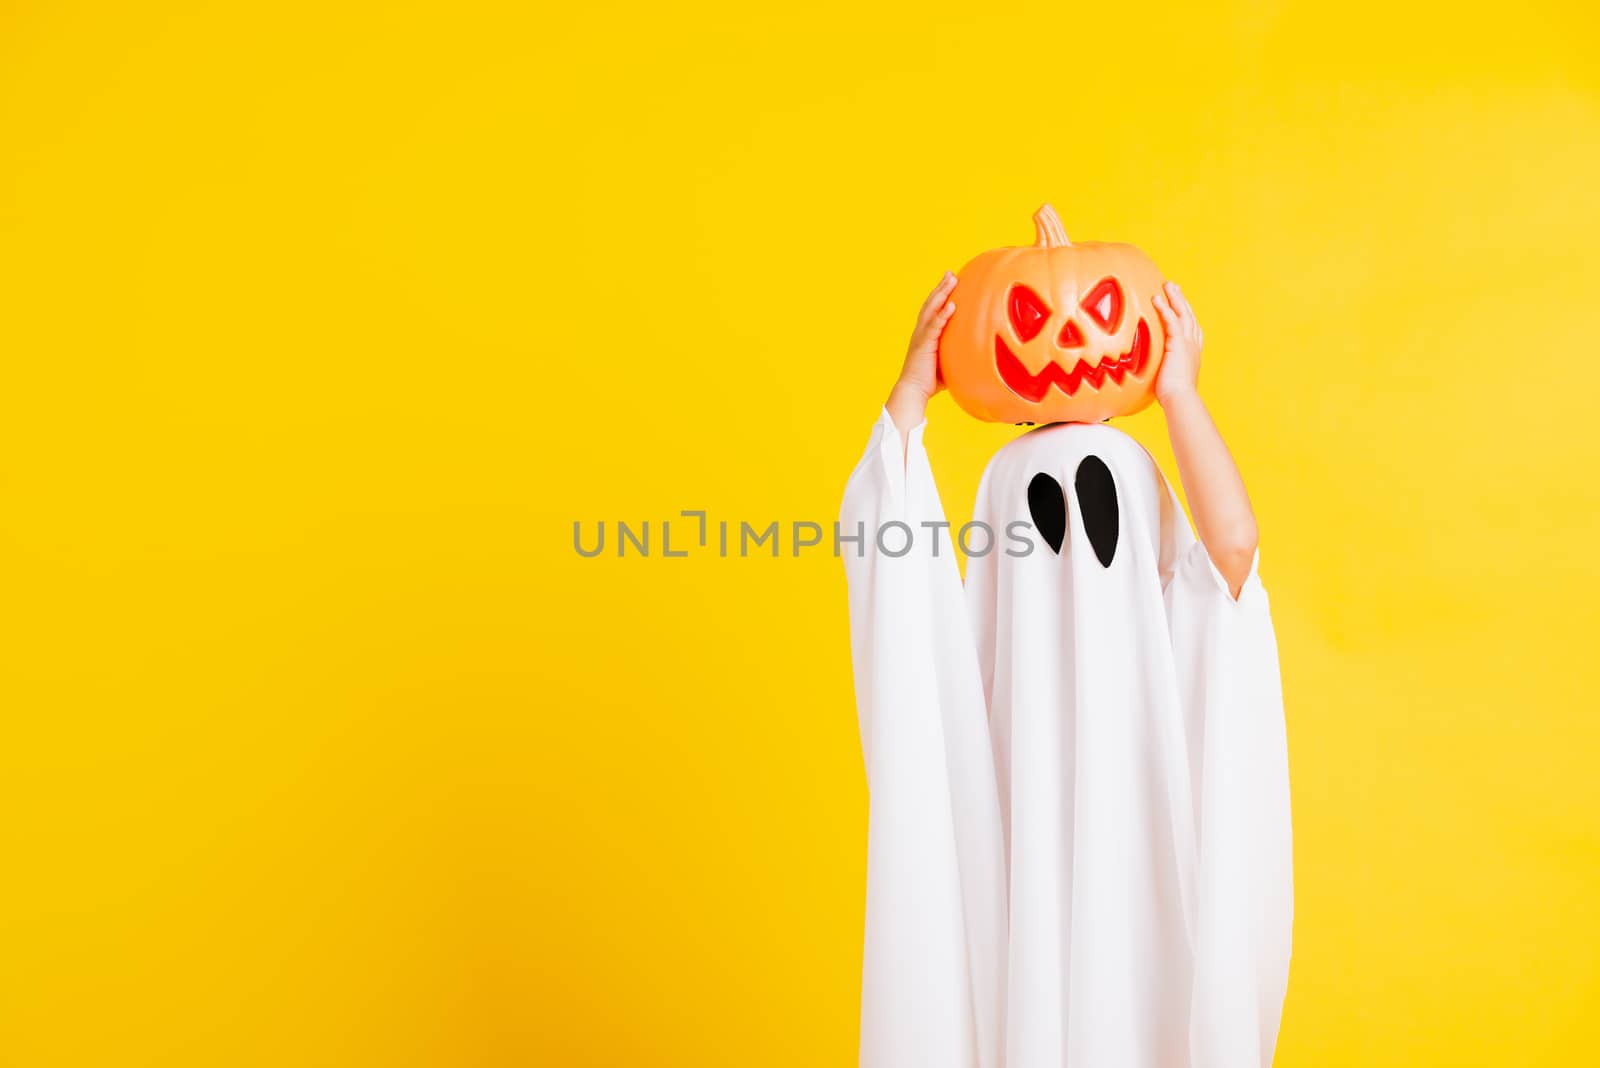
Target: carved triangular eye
x,y
1028,312
1104,304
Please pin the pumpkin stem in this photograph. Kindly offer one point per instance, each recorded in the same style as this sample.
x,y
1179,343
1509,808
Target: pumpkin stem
x,y
1048,224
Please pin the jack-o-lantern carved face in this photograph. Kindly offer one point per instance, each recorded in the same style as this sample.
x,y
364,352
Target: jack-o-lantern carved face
x,y
1054,333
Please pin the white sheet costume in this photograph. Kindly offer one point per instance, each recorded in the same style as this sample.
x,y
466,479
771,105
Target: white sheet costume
x,y
1079,843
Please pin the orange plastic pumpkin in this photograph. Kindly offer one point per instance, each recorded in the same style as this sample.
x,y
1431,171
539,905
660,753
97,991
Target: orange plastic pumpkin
x,y
1055,332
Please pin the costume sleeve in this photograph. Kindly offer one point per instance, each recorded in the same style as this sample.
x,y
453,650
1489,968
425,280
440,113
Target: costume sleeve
x,y
1226,657
934,954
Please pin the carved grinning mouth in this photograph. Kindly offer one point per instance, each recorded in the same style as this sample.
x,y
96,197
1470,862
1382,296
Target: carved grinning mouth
x,y
1033,387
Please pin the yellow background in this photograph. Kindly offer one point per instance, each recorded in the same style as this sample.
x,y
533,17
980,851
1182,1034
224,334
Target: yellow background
x,y
321,324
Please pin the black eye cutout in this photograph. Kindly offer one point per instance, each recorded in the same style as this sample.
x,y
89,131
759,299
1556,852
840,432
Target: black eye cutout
x,y
1047,504
1097,505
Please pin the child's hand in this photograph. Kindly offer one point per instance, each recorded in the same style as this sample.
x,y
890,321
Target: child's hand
x,y
1180,363
919,378
921,370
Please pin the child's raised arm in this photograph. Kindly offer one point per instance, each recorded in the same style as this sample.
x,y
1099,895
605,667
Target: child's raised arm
x,y
1222,514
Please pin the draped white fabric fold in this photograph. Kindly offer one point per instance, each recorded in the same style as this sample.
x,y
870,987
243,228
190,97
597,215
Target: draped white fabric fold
x,y
935,939
1227,662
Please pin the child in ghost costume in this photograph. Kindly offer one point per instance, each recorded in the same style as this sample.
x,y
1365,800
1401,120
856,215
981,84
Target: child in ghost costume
x,y
1078,849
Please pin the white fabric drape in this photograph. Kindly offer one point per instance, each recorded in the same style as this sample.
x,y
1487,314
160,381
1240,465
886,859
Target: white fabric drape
x,y
1078,847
